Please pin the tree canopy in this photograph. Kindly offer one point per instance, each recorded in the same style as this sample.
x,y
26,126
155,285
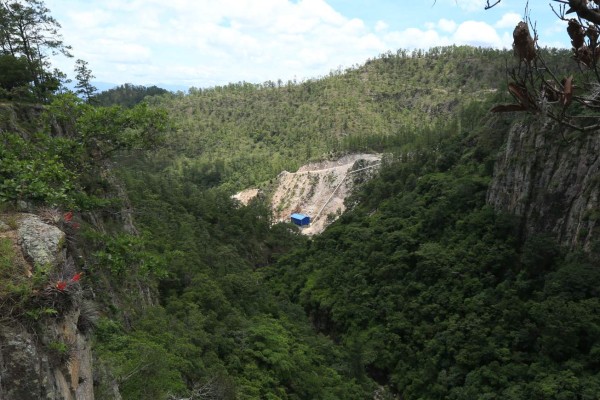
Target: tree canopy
x,y
28,31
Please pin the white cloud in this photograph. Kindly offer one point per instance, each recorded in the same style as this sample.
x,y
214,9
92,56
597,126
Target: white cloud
x,y
413,38
559,26
204,42
555,35
477,33
122,52
509,20
473,33
89,19
447,25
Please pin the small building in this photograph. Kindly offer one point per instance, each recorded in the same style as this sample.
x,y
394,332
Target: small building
x,y
300,219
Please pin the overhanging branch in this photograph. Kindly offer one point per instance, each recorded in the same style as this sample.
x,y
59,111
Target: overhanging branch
x,y
488,5
580,7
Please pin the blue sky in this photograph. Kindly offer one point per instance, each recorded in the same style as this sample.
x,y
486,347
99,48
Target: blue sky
x,y
204,43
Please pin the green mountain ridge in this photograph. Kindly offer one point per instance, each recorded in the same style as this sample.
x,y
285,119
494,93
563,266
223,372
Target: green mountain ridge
x,y
246,134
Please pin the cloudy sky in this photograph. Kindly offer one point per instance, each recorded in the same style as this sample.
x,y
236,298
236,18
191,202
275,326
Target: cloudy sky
x,y
204,43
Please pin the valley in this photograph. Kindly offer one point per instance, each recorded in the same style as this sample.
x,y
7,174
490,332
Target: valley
x,y
147,250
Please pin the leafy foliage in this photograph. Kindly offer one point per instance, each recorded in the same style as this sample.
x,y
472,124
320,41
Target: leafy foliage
x,y
217,319
13,72
420,288
61,161
84,77
33,170
250,133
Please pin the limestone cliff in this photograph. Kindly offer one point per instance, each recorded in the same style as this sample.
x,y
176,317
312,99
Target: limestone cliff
x,y
551,179
45,351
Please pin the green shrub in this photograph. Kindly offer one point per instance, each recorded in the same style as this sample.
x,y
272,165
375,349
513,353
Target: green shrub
x,y
31,171
15,288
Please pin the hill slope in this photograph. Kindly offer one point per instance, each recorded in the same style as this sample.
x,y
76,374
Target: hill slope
x,y
243,134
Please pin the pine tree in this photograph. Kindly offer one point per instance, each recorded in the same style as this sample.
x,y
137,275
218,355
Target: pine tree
x,y
28,30
84,87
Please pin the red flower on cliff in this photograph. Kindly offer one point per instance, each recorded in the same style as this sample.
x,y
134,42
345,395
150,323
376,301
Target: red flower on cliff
x,y
76,277
68,216
61,285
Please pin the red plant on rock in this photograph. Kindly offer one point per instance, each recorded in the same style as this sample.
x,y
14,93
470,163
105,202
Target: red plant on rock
x,y
76,277
61,285
68,216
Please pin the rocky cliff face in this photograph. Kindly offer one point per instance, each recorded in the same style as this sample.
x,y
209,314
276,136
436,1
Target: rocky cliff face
x,y
45,352
551,181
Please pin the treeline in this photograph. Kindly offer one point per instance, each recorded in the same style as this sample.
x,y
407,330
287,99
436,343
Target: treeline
x,y
126,95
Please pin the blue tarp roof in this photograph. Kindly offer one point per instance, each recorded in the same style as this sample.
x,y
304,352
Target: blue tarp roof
x,y
299,216
300,219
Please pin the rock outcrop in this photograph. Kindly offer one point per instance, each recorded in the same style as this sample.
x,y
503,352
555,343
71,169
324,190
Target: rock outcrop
x,y
44,354
551,181
41,243
53,366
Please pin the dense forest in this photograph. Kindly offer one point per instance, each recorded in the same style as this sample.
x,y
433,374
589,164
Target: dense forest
x,y
421,290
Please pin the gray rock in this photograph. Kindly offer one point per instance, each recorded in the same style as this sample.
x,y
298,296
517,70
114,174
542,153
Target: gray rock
x,y
4,227
22,205
30,369
23,370
551,181
42,243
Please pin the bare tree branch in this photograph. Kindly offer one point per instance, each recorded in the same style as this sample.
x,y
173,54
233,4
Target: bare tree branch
x,y
539,89
581,8
488,5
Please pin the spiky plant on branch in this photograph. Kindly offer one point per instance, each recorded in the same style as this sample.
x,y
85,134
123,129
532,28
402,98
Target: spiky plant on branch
x,y
572,100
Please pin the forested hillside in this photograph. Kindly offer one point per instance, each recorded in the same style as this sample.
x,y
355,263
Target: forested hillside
x,y
421,290
422,287
258,341
438,296
243,134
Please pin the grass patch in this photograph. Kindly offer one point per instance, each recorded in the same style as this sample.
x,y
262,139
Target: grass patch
x,y
12,221
15,288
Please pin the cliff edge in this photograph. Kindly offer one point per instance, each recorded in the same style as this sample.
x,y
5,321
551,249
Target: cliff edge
x,y
45,350
551,179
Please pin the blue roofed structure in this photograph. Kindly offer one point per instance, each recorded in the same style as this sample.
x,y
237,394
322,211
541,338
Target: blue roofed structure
x,y
300,219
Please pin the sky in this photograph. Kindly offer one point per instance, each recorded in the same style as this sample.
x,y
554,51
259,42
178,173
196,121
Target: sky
x,y
206,43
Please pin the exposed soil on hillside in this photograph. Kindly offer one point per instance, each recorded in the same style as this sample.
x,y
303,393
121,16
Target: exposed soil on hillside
x,y
317,189
245,196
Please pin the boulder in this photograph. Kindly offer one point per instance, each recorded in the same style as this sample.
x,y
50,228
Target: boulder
x,y
41,243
